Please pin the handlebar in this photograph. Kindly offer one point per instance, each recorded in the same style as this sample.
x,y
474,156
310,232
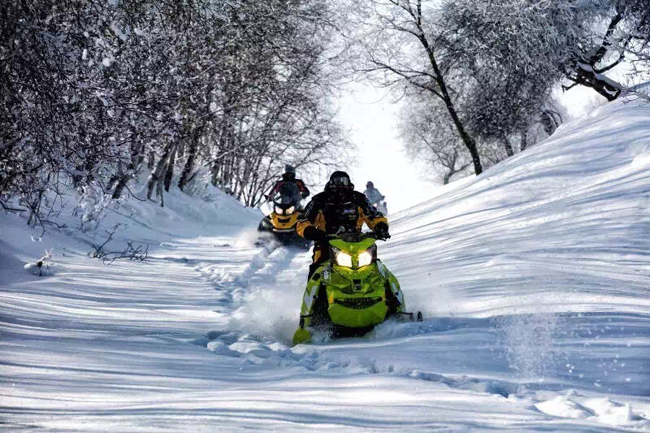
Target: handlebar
x,y
361,236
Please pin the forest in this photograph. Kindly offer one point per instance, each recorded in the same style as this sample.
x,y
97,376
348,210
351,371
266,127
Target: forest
x,y
98,95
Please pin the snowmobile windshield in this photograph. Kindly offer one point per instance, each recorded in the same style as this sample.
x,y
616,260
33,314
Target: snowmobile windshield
x,y
354,237
289,195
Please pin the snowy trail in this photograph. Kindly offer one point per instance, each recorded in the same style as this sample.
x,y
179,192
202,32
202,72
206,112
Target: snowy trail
x,y
126,358
562,305
133,354
405,351
533,279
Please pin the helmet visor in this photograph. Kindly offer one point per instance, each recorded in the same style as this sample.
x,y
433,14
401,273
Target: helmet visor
x,y
340,182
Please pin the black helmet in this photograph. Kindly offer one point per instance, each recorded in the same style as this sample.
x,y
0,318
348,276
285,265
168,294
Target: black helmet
x,y
340,181
289,172
370,185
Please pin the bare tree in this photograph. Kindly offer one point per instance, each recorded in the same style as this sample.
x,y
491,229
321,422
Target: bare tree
x,y
402,42
429,137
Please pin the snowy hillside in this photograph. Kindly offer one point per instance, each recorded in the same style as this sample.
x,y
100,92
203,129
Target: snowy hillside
x,y
533,279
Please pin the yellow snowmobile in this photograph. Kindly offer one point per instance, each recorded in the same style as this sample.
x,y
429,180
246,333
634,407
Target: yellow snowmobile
x,y
281,222
351,293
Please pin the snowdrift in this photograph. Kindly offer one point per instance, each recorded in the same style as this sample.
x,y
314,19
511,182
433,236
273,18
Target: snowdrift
x,y
568,219
83,226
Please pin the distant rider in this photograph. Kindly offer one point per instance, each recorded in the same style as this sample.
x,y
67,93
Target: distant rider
x,y
373,194
338,206
290,177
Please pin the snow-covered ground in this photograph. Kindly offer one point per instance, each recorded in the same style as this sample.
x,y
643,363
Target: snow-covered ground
x,y
533,278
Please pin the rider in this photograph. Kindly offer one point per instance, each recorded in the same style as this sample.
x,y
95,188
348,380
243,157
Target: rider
x,y
373,194
339,206
289,175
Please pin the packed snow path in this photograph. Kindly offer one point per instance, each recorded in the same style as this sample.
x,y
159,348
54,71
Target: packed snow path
x,y
533,278
127,346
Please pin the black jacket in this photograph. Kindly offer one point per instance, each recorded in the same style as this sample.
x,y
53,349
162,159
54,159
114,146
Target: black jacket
x,y
327,212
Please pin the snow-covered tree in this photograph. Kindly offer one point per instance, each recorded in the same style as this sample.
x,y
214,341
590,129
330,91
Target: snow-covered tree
x,y
95,91
576,40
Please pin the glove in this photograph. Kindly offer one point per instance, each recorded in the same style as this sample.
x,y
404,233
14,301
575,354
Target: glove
x,y
311,233
381,229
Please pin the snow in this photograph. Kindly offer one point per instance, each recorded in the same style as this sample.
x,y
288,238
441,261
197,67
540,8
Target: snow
x,y
561,406
533,279
602,409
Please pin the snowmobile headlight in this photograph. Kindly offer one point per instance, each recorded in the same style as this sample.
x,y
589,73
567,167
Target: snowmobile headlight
x,y
365,258
290,210
279,210
343,259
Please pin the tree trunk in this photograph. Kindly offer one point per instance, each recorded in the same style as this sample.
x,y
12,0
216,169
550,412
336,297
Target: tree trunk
x,y
124,177
587,74
605,88
169,174
524,140
467,140
152,160
550,121
121,184
157,175
216,172
159,194
506,143
188,168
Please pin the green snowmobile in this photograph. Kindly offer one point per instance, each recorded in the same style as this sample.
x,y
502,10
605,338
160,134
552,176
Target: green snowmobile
x,y
351,293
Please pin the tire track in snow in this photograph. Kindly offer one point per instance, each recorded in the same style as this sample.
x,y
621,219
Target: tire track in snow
x,y
559,403
258,336
258,262
257,297
260,351
261,276
231,286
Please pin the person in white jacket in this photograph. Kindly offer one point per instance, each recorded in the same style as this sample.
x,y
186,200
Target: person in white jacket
x,y
375,197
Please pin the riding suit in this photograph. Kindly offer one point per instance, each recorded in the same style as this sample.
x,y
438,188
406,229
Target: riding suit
x,y
336,210
290,178
331,211
373,194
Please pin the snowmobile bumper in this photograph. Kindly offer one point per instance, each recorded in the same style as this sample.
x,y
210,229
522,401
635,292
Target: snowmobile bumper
x,y
283,233
357,312
301,336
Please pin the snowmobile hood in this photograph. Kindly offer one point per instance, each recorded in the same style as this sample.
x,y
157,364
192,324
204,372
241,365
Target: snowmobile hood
x,y
359,257
352,248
